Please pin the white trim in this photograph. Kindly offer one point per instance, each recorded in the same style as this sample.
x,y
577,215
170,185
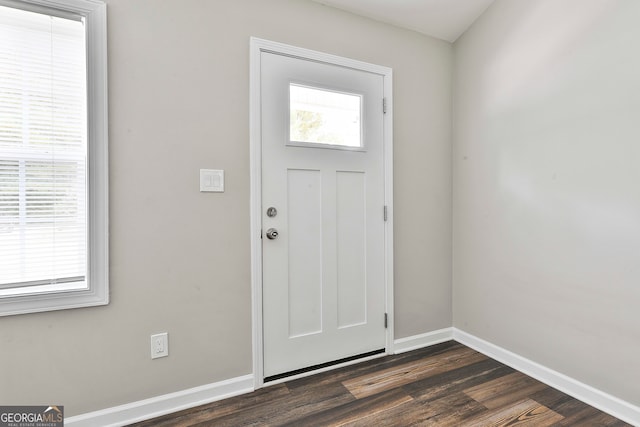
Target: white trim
x,y
428,339
256,47
169,403
387,148
161,405
255,166
95,14
598,399
261,45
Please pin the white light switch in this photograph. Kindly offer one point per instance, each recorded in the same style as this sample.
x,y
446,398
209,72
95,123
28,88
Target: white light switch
x,y
211,180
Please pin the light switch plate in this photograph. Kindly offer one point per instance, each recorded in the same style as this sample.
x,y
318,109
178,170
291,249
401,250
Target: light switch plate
x,y
211,180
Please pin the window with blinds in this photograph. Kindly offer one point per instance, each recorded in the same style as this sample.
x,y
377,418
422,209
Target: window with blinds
x,y
42,149
44,192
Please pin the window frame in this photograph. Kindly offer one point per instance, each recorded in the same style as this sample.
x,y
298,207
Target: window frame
x,y
323,145
97,291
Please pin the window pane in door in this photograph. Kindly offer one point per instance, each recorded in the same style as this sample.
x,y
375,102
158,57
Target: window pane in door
x,y
321,116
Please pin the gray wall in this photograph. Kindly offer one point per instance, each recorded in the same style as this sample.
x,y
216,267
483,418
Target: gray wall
x,y
547,186
180,260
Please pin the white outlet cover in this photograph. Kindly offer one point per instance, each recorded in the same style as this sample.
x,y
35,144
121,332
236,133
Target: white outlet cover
x,y
159,345
211,180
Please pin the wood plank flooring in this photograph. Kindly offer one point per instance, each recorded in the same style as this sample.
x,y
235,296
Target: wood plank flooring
x,y
444,385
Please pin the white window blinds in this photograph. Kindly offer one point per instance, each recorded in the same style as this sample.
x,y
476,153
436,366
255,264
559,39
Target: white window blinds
x,y
43,152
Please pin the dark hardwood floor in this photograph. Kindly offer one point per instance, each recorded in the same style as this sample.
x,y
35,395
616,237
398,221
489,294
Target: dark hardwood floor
x,y
444,385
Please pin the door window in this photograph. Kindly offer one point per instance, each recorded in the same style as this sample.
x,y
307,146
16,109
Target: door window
x,y
324,118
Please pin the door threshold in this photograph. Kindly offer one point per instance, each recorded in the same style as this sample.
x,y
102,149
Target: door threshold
x,y
324,366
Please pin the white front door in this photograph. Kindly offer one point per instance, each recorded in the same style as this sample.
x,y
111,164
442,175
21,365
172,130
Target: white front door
x,y
324,237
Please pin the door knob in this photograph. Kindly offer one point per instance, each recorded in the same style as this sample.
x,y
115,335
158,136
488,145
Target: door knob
x,y
272,233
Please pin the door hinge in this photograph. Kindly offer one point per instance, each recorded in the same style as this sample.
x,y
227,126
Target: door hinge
x,y
386,320
386,215
384,105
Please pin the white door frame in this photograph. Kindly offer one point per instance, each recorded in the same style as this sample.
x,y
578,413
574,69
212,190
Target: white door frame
x,y
257,46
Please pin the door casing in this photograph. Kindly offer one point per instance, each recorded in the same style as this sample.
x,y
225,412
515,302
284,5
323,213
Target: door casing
x,y
256,47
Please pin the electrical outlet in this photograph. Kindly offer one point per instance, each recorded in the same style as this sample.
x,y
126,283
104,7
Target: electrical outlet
x,y
159,345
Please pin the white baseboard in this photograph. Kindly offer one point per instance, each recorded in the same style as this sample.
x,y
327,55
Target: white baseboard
x,y
173,402
162,405
598,399
423,340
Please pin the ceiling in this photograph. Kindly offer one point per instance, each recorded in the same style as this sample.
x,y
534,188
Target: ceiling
x,y
443,19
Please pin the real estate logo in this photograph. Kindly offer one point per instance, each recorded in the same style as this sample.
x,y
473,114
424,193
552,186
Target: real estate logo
x,y
32,416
